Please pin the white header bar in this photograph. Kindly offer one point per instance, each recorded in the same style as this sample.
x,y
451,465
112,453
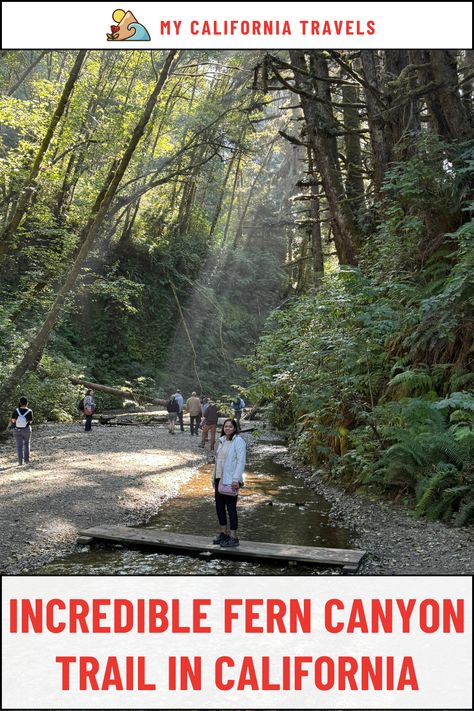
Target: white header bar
x,y
236,25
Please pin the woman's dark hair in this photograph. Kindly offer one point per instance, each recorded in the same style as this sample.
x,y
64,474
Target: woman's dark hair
x,y
235,428
23,402
87,393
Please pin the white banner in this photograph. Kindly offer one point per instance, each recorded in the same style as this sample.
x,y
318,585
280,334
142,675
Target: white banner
x,y
237,642
235,25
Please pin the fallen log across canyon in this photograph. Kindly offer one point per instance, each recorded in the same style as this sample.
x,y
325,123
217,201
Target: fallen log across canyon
x,y
140,398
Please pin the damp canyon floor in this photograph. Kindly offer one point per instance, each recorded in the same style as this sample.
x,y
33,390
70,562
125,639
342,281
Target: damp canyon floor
x,y
124,475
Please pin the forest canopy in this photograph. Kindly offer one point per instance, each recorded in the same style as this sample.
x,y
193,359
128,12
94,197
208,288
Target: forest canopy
x,y
296,225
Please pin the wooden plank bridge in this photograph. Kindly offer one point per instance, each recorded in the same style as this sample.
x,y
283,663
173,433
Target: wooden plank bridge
x,y
349,560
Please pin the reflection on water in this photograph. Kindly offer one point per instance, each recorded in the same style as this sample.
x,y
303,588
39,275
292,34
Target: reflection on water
x,y
273,507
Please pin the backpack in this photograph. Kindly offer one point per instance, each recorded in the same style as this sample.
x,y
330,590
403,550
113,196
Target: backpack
x,y
21,421
172,405
81,405
211,415
89,407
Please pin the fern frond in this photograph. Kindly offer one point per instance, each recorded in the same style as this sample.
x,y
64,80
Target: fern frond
x,y
465,514
457,401
411,382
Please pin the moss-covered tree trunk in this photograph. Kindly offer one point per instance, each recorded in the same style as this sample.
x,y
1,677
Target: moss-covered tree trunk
x,y
354,170
438,80
315,228
379,138
312,77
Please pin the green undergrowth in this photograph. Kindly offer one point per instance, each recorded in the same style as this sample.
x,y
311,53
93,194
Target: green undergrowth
x,y
372,374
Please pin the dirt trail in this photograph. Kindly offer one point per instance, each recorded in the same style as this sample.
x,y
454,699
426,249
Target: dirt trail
x,y
77,480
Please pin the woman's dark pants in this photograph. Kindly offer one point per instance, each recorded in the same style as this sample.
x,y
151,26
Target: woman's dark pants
x,y
224,501
88,425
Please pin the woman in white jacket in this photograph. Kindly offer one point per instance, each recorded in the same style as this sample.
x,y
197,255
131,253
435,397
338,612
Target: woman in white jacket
x,y
227,478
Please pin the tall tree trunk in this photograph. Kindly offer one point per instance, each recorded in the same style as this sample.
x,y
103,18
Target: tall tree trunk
x,y
88,123
467,87
37,345
379,139
26,73
222,193
263,165
315,232
322,135
354,171
27,191
126,235
437,74
237,157
402,116
186,206
232,196
59,211
301,279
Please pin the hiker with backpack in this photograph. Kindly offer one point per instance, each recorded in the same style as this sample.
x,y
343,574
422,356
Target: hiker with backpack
x,y
238,405
88,407
180,400
209,423
21,420
172,407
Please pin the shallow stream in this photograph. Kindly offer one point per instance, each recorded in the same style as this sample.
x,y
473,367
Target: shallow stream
x,y
274,506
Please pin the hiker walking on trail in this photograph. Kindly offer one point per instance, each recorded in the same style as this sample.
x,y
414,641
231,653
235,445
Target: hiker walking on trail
x,y
172,407
227,479
21,420
180,400
88,407
204,405
209,423
238,405
193,406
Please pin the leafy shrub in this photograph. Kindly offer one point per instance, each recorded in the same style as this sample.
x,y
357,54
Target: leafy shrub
x,y
50,394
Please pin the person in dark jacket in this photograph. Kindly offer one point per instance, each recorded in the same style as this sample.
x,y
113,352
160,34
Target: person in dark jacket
x,y
238,405
21,420
172,407
180,400
209,423
88,407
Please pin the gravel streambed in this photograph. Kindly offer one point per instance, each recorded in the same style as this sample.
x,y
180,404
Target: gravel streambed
x,y
122,475
396,541
112,475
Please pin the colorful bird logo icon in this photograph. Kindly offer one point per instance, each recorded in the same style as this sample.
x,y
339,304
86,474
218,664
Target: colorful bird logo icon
x,y
126,27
